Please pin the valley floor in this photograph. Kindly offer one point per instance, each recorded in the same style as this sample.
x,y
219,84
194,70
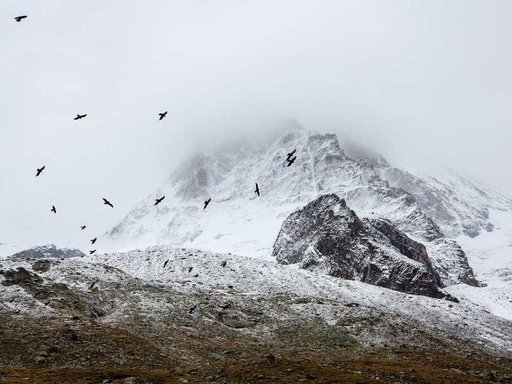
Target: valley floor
x,y
84,351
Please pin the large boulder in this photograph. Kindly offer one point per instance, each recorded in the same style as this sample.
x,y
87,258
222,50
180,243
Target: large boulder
x,y
327,235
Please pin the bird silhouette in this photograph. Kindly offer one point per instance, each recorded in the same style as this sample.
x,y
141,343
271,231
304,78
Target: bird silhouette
x,y
290,154
158,201
290,162
207,202
53,209
94,240
78,116
91,252
39,170
83,227
162,115
92,285
106,202
223,264
166,263
191,310
190,269
257,190
19,18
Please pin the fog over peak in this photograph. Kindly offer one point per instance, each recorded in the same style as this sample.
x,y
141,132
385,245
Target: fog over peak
x,y
423,83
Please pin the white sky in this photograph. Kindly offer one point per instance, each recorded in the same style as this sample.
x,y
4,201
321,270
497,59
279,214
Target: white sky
x,y
424,82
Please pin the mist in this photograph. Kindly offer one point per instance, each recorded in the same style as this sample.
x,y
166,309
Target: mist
x,y
423,83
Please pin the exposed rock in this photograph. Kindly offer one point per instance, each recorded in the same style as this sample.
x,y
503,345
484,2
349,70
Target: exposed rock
x,y
327,235
405,245
21,277
42,265
95,311
451,263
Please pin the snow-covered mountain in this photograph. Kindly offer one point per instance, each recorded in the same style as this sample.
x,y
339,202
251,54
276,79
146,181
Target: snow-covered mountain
x,y
429,210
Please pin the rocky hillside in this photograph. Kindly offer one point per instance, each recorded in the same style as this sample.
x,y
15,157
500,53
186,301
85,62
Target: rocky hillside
x,y
161,315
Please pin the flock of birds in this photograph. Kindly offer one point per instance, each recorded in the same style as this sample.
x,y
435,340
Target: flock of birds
x,y
290,159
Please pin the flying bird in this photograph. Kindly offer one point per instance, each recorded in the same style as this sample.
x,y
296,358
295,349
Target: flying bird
x,y
94,240
92,285
39,170
190,269
166,263
83,227
207,202
192,309
53,209
158,201
106,202
290,162
19,18
162,115
91,252
288,157
257,190
78,116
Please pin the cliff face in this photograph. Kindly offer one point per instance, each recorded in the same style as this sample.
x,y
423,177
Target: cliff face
x,y
327,235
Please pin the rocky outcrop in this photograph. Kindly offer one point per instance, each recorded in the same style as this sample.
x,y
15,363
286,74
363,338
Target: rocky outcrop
x,y
405,245
49,251
329,236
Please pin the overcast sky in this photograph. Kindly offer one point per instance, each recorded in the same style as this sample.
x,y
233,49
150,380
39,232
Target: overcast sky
x,y
424,82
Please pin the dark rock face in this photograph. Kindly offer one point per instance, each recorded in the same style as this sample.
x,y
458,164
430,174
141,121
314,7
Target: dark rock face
x,y
327,235
405,245
49,251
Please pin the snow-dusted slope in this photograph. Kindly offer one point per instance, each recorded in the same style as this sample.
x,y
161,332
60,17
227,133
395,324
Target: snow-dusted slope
x,y
148,281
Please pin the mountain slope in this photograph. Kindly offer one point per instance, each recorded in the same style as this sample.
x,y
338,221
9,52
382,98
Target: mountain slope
x,y
239,221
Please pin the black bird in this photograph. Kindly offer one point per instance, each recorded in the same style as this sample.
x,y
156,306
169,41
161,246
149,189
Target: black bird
x,y
257,190
162,115
207,202
39,170
288,157
91,252
190,269
223,264
19,18
94,240
83,227
106,202
53,209
159,200
166,263
192,309
290,162
78,116
92,285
